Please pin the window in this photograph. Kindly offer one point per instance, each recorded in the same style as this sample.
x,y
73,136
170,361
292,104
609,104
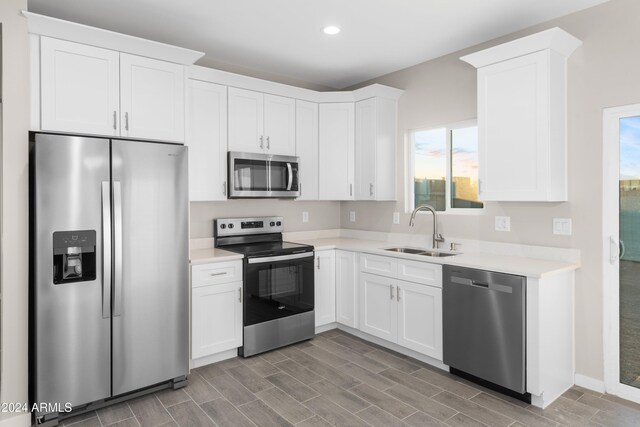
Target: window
x,y
444,168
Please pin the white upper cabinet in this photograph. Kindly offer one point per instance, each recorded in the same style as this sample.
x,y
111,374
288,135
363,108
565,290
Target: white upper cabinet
x,y
151,98
307,148
375,149
337,151
207,140
80,88
86,89
522,117
261,123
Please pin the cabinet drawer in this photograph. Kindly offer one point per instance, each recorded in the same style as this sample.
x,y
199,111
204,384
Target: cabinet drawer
x,y
215,273
420,272
376,264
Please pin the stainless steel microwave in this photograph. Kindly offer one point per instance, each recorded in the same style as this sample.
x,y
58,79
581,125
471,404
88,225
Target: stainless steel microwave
x,y
253,175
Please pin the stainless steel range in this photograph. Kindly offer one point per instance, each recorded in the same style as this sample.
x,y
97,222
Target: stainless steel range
x,y
278,303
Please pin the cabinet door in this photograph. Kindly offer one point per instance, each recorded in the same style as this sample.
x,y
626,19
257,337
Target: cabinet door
x,y
151,99
325,287
337,151
246,116
216,319
207,140
346,289
365,159
378,306
307,148
280,125
80,90
420,318
513,125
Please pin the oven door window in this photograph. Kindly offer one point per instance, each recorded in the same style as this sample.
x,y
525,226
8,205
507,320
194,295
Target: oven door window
x,y
278,289
250,175
284,176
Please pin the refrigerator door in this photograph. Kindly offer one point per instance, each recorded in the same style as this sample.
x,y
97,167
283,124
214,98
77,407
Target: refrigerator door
x,y
151,276
71,331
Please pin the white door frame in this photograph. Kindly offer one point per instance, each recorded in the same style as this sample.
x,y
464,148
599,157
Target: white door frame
x,y
611,252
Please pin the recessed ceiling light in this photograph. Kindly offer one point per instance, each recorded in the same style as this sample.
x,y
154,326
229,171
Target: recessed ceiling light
x,y
331,30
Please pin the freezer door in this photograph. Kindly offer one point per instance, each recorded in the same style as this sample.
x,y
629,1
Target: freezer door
x,y
151,276
70,324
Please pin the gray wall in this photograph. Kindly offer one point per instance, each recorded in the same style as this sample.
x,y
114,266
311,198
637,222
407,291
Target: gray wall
x,y
603,72
322,215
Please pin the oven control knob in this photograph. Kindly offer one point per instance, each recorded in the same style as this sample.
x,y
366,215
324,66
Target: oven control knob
x,y
223,226
271,224
278,223
230,225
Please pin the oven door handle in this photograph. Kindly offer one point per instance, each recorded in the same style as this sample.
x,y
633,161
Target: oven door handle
x,y
263,260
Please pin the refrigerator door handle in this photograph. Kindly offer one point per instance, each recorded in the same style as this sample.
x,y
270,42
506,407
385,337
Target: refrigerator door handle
x,y
117,249
106,250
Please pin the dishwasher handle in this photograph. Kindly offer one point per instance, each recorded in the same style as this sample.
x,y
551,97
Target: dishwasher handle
x,y
479,284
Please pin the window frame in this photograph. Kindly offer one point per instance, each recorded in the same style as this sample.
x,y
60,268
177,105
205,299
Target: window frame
x,y
410,175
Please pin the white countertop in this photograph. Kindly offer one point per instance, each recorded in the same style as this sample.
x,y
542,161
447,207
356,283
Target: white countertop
x,y
520,265
209,255
523,266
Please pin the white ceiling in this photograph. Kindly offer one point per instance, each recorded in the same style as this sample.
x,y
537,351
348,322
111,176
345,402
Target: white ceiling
x,y
284,36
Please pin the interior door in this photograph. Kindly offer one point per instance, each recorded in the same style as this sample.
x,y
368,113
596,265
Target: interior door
x,y
72,328
621,224
151,276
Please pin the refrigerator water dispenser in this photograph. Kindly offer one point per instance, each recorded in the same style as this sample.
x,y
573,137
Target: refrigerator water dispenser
x,y
74,256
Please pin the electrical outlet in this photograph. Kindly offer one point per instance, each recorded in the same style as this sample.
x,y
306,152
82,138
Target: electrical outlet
x,y
396,217
352,216
503,223
562,226
305,216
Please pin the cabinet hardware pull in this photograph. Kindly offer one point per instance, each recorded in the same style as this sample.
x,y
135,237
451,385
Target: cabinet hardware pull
x,y
224,188
115,120
262,142
240,294
126,121
391,291
398,292
318,263
479,186
350,189
371,189
268,144
222,273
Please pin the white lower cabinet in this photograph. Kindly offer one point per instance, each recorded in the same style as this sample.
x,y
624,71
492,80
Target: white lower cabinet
x,y
325,287
403,312
347,288
216,309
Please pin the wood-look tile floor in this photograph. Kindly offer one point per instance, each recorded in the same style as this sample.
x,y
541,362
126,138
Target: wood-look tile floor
x,y
337,379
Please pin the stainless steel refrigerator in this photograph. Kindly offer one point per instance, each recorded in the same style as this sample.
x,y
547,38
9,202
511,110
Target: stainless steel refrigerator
x,y
109,269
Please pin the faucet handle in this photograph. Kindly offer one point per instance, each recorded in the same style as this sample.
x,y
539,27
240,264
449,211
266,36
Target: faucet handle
x,y
453,246
438,237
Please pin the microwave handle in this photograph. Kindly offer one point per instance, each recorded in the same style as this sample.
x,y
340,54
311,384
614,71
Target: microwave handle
x,y
290,174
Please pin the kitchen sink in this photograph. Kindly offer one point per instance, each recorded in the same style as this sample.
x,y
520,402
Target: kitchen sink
x,y
422,252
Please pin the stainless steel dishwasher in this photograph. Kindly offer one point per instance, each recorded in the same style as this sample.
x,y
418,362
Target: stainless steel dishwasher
x,y
484,327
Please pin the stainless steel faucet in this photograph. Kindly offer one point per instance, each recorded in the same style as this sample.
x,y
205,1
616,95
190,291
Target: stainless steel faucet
x,y
437,238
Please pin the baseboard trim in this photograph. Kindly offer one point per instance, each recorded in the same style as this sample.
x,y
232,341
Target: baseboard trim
x,y
214,358
22,420
589,383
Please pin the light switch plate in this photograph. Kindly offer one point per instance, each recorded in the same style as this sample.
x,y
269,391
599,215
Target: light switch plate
x,y
396,217
305,216
562,226
503,223
352,216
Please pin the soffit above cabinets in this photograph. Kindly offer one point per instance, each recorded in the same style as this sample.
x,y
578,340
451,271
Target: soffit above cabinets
x,y
285,36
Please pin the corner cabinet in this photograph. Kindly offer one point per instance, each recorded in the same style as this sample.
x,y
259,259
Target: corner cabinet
x,y
307,148
207,140
91,90
522,117
337,151
375,149
261,123
216,309
325,287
